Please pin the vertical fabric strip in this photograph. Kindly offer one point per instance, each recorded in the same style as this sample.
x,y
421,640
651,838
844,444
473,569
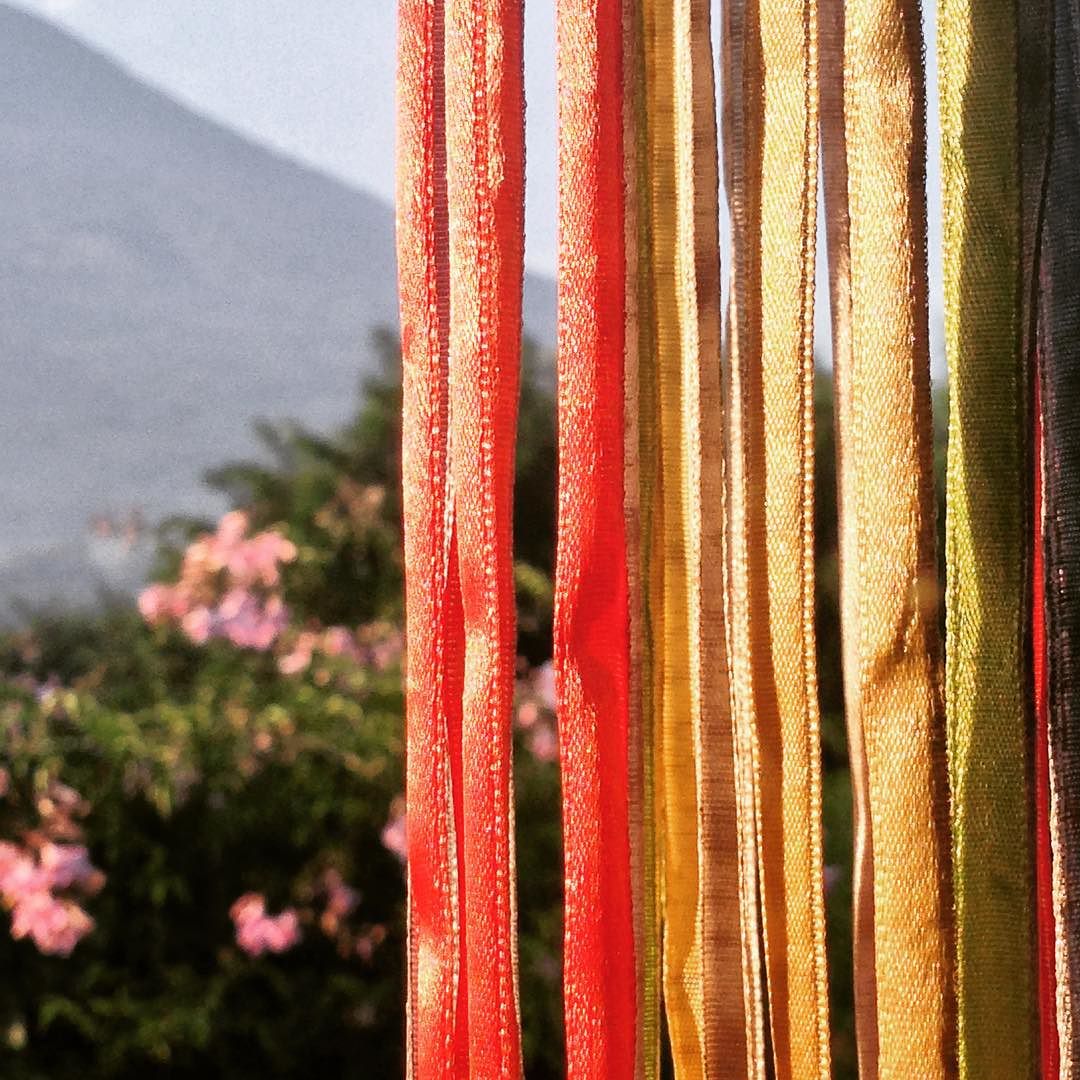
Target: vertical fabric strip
x,y
695,766
485,121
676,790
1060,387
636,509
985,539
875,208
437,1035
771,509
1044,874
741,65
591,609
649,476
714,974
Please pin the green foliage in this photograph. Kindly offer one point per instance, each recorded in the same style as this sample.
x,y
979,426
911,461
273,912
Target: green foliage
x,y
208,774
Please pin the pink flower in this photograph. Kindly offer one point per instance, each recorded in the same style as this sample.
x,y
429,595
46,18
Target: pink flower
x,y
55,926
299,657
544,743
231,530
247,907
257,932
527,715
18,873
67,865
544,685
249,624
200,564
156,603
256,561
199,624
337,641
368,942
395,837
341,899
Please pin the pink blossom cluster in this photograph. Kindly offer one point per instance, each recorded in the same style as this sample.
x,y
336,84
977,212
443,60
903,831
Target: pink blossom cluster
x,y
395,836
335,641
341,901
37,886
258,932
536,713
378,645
226,587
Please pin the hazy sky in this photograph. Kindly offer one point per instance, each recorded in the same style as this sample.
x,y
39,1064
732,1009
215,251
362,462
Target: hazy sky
x,y
315,79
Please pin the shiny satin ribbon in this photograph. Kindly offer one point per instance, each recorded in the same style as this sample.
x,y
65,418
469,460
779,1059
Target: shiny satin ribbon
x,y
740,67
640,488
1059,340
875,144
772,84
1050,1049
696,807
484,123
437,1044
717,932
986,546
592,647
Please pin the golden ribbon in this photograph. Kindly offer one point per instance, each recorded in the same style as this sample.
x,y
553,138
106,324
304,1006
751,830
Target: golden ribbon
x,y
694,759
872,113
771,84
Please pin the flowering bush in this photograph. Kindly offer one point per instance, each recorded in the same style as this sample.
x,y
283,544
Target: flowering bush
x,y
202,829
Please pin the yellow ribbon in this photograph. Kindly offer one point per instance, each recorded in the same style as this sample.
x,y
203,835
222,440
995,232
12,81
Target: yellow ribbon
x,y
872,112
695,788
773,101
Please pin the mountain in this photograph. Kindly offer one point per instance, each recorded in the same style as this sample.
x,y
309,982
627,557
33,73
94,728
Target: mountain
x,y
163,281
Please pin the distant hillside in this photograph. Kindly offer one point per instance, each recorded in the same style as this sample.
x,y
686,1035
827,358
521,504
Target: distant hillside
x,y
163,281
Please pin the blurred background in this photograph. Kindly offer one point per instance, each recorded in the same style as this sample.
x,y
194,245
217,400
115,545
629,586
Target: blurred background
x,y
201,823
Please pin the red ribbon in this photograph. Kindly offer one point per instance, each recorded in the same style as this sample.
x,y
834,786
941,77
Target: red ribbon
x,y
485,173
591,595
438,1033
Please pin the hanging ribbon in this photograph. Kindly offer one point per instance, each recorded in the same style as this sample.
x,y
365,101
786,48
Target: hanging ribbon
x,y
695,803
645,474
875,144
591,594
1044,876
484,124
1060,395
771,591
741,65
438,1034
985,545
713,973
640,486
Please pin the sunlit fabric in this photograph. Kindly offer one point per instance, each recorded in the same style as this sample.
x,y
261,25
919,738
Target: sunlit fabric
x,y
592,623
772,189
437,1039
986,539
684,633
1059,355
872,112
